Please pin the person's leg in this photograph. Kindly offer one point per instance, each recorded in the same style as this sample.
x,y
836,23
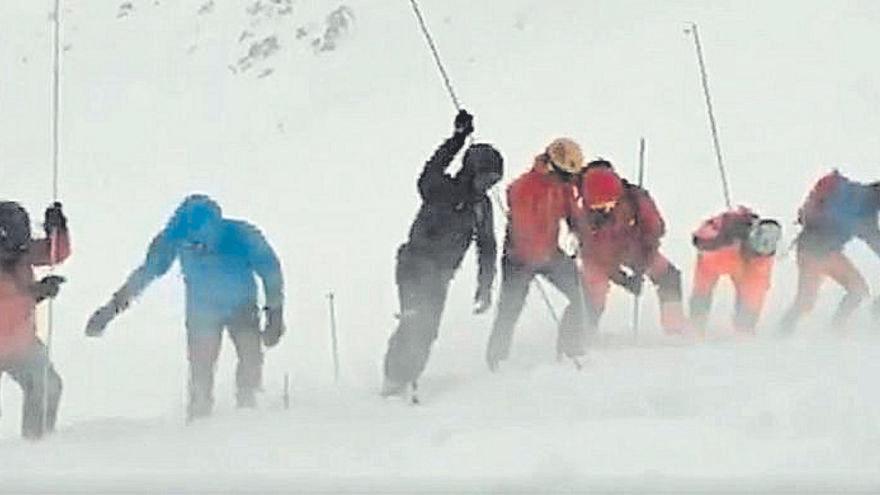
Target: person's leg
x,y
244,330
595,283
572,336
203,338
29,374
811,272
752,284
423,296
667,278
515,280
706,274
842,271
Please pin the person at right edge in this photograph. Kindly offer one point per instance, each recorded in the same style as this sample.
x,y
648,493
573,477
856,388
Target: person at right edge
x,y
455,210
836,210
540,200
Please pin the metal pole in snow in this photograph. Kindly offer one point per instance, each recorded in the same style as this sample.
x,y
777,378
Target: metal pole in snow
x,y
638,299
287,391
335,346
712,124
56,98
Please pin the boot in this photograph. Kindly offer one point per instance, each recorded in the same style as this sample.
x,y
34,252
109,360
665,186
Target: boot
x,y
245,398
672,318
392,388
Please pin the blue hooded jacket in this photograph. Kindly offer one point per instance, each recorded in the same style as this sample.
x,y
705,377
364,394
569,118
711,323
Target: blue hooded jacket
x,y
219,258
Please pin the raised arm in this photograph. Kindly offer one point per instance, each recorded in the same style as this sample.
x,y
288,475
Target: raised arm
x,y
55,247
433,182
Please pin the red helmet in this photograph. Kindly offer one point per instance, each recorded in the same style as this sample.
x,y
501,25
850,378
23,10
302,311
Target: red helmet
x,y
601,189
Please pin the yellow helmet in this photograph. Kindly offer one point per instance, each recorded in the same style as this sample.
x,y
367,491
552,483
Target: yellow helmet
x,y
566,155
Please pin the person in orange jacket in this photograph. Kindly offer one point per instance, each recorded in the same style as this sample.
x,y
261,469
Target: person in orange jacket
x,y
539,200
836,210
739,244
619,226
22,355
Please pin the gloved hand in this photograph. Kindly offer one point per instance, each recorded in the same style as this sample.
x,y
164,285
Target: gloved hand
x,y
47,288
631,283
105,314
274,327
464,123
54,219
99,320
482,301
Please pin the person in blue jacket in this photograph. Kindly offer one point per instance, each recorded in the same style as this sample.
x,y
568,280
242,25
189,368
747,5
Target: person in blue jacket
x,y
219,258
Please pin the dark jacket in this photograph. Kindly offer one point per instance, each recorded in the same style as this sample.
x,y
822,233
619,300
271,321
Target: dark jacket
x,y
451,216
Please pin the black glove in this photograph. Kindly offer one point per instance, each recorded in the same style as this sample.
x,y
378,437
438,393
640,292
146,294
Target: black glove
x,y
482,301
103,315
54,219
630,283
47,288
274,328
99,320
464,123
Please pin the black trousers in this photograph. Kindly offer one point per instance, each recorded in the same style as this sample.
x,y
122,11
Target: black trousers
x,y
516,279
27,371
422,287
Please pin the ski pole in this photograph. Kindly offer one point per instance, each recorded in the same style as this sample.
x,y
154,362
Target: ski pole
x,y
331,297
704,78
637,299
433,47
53,235
286,395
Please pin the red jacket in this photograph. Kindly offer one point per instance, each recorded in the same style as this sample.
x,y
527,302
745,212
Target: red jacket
x,y
538,201
17,303
631,236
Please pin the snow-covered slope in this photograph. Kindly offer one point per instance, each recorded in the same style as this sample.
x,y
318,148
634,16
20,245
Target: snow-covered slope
x,y
321,147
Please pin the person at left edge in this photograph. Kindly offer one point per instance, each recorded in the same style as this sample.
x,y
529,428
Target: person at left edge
x,y
219,258
22,355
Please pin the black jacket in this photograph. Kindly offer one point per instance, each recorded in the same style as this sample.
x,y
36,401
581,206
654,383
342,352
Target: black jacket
x,y
451,216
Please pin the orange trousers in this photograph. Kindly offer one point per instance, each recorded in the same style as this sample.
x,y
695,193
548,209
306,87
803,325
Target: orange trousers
x,y
751,280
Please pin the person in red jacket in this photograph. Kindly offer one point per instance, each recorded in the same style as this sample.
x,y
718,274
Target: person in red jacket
x,y
620,226
22,355
539,200
739,244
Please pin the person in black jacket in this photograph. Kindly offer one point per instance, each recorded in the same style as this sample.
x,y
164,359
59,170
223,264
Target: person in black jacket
x,y
455,211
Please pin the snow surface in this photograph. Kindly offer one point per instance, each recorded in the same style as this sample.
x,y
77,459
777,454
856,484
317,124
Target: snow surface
x,y
322,148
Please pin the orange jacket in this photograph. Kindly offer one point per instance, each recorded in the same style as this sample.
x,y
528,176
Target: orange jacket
x,y
538,200
17,303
